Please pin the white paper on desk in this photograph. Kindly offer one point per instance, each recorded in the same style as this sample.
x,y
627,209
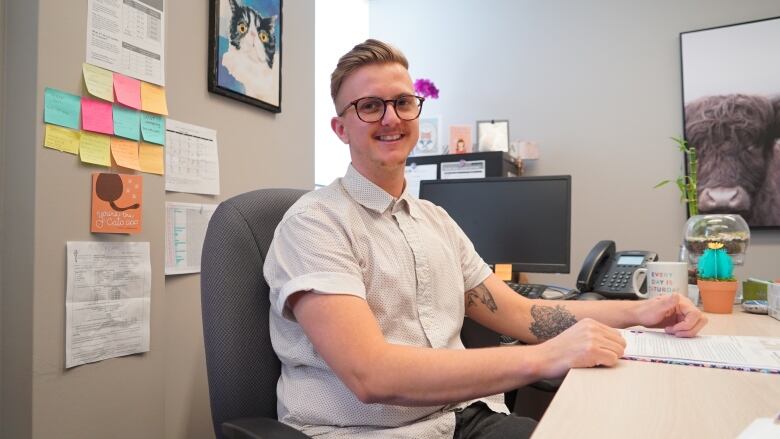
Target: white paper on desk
x,y
107,300
191,159
185,229
726,351
417,173
128,37
463,169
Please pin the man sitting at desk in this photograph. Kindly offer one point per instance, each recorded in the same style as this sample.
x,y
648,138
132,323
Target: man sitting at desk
x,y
369,288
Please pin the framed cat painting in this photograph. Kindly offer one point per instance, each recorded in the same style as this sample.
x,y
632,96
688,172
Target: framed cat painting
x,y
245,51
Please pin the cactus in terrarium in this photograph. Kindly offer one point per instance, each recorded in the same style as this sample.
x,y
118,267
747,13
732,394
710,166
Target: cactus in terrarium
x,y
715,263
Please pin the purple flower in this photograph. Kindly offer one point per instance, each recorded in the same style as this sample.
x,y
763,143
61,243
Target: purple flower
x,y
426,88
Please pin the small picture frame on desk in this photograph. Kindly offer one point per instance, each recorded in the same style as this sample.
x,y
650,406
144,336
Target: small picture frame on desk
x,y
460,139
493,135
430,142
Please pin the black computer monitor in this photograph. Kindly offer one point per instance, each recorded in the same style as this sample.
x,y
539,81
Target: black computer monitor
x,y
525,221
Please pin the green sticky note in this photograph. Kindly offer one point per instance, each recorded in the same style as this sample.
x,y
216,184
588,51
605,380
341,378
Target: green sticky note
x,y
127,122
153,128
60,108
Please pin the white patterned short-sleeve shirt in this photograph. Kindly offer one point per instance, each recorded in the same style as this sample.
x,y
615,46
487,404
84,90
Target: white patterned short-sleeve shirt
x,y
410,262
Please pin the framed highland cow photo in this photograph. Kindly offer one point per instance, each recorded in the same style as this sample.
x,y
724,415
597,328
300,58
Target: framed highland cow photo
x,y
245,51
731,108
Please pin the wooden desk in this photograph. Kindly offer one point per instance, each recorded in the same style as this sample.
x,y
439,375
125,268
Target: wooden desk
x,y
637,399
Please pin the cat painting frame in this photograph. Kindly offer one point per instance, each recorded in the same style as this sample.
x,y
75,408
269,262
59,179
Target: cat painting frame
x,y
245,51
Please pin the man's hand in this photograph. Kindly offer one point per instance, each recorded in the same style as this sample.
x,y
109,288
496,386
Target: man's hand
x,y
587,343
675,313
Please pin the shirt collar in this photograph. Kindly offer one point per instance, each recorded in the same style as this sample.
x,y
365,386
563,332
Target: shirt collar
x,y
371,196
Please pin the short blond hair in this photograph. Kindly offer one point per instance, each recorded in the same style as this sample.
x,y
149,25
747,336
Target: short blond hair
x,y
368,52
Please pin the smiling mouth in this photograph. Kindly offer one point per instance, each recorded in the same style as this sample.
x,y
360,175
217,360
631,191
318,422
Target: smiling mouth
x,y
389,138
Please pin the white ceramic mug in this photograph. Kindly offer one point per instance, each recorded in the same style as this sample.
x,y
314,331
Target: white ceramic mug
x,y
663,278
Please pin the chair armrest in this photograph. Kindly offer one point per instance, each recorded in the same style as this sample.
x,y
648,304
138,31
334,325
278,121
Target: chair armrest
x,y
260,428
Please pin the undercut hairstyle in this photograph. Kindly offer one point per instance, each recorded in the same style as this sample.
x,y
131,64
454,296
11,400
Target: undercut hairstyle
x,y
368,52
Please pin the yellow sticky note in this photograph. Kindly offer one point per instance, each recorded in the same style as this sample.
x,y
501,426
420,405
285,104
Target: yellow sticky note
x,y
153,98
504,271
100,82
63,139
125,153
95,148
151,158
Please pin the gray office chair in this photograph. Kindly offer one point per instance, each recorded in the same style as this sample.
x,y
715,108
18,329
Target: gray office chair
x,y
241,365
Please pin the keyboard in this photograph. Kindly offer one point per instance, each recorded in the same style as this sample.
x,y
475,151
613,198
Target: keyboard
x,y
531,291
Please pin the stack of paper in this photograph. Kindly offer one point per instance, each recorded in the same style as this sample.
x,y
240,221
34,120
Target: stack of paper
x,y
760,354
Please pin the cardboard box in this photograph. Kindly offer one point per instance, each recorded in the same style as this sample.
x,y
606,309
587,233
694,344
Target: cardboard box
x,y
773,298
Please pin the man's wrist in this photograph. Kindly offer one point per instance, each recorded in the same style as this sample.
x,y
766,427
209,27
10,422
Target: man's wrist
x,y
633,313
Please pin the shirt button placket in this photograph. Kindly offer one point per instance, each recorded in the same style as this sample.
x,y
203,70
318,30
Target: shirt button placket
x,y
425,305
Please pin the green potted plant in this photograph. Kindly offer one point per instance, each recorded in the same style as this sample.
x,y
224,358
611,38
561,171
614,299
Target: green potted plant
x,y
730,230
686,183
716,281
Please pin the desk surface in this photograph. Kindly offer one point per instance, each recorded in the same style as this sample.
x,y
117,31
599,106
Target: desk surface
x,y
637,399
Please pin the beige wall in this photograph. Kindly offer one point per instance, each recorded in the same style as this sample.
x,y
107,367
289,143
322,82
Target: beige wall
x,y
163,393
596,83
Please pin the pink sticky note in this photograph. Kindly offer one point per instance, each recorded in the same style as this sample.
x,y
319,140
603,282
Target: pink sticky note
x,y
97,116
127,90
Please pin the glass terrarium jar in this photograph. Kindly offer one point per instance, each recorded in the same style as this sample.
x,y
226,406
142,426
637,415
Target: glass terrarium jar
x,y
729,229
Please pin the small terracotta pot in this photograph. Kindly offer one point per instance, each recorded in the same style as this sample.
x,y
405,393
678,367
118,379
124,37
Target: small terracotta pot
x,y
717,296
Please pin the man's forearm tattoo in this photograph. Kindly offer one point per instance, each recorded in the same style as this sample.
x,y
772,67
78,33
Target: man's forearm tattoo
x,y
549,322
481,293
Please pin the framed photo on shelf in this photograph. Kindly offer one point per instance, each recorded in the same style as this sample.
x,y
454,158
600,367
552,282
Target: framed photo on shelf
x,y
460,139
493,135
731,106
429,142
245,51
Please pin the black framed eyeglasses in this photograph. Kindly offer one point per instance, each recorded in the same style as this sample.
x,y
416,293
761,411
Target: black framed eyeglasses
x,y
372,109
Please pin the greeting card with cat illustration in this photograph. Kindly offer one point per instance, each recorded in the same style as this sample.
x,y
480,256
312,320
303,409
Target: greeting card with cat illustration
x,y
116,203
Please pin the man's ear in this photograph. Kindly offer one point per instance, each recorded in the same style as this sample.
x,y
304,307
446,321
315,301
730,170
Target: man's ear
x,y
337,125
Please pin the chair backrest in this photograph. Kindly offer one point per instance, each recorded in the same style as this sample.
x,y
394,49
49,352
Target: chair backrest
x,y
241,364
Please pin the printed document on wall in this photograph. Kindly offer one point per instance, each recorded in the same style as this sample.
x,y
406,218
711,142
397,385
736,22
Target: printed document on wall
x,y
185,229
107,300
191,159
128,37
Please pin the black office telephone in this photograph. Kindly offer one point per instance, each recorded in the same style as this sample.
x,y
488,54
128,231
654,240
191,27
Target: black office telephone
x,y
610,273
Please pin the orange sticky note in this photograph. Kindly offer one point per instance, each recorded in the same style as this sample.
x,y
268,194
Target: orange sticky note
x,y
97,116
151,158
95,149
153,98
61,138
125,153
127,90
504,271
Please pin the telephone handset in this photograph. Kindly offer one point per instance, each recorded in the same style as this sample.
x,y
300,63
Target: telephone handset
x,y
614,274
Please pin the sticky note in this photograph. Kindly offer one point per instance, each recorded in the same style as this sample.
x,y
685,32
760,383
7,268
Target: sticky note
x,y
62,139
153,98
125,153
60,108
99,82
128,91
151,158
153,128
127,122
97,116
95,149
504,271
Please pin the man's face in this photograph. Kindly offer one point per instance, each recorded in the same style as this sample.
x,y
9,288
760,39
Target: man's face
x,y
383,144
